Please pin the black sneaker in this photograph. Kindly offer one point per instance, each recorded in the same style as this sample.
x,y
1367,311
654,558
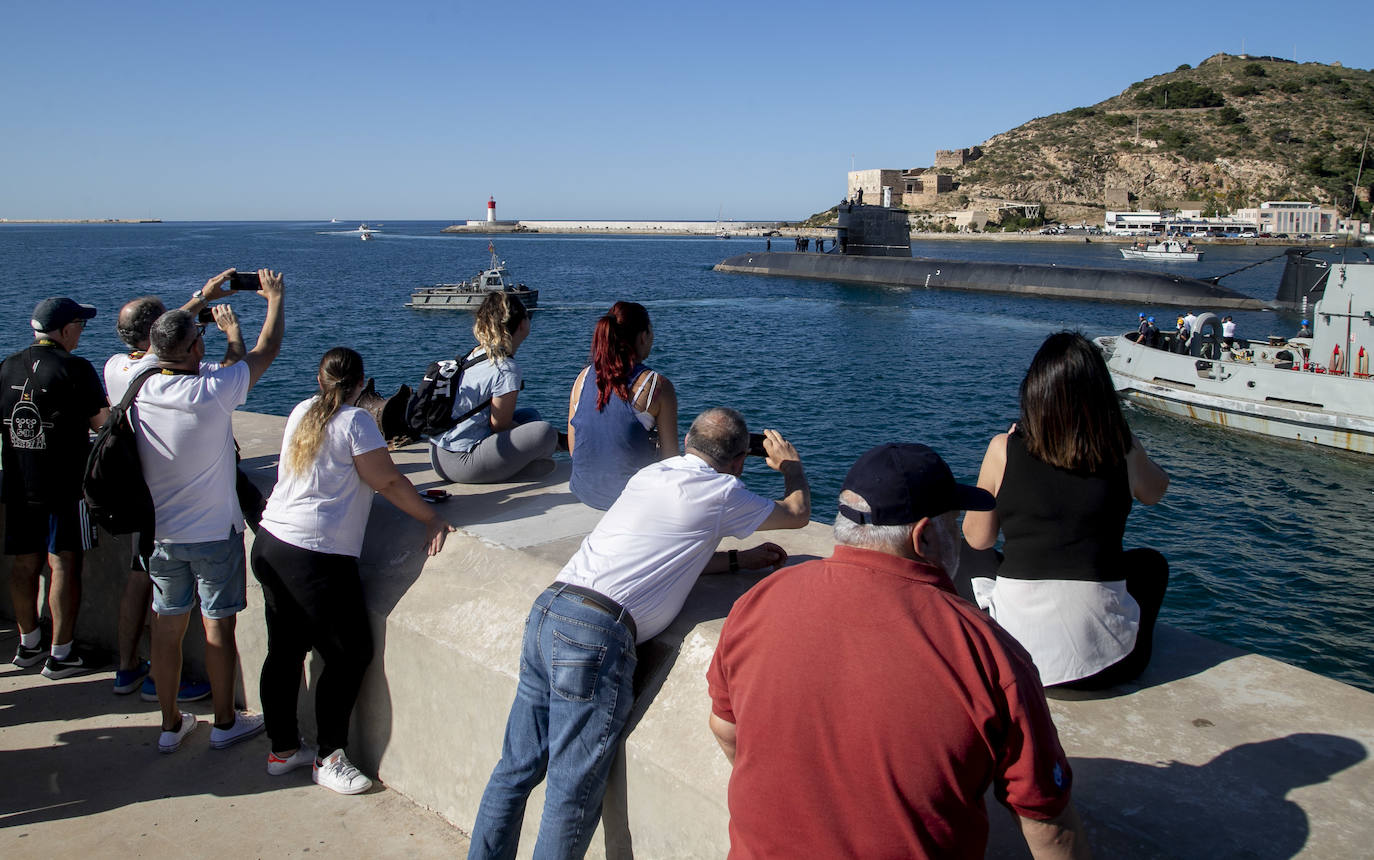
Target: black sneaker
x,y
74,664
26,657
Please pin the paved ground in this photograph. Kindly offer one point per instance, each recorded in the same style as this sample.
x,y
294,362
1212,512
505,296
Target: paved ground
x,y
80,776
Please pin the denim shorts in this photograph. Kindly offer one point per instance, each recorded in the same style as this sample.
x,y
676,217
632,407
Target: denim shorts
x,y
214,568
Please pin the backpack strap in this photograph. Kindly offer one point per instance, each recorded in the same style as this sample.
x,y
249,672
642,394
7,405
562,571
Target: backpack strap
x,y
472,360
126,403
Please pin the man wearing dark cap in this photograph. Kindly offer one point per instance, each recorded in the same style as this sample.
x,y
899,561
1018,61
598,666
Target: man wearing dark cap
x,y
866,708
49,400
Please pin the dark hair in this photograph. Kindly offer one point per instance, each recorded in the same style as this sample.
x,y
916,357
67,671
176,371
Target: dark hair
x,y
614,353
142,312
340,370
1070,415
720,435
171,334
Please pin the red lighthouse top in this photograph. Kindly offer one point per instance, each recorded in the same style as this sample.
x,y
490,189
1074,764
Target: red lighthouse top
x,y
491,202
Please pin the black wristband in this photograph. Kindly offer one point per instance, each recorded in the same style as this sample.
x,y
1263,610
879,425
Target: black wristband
x,y
734,561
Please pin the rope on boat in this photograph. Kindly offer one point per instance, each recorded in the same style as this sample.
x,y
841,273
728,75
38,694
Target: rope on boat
x,y
1216,279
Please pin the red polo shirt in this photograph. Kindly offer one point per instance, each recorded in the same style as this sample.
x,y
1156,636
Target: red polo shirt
x,y
873,708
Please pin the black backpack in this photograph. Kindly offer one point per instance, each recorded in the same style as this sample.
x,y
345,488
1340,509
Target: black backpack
x,y
430,410
117,496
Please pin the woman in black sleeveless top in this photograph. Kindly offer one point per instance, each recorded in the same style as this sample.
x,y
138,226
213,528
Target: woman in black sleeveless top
x,y
1064,478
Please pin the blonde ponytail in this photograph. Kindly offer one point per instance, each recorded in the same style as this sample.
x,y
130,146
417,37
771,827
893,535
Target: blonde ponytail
x,y
340,370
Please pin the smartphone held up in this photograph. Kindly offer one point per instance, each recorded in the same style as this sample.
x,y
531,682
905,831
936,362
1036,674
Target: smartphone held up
x,y
245,281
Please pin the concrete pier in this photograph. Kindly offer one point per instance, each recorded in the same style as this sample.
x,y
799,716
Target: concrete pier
x,y
1214,752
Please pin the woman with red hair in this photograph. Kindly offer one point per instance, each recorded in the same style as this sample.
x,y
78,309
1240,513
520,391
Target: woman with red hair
x,y
622,416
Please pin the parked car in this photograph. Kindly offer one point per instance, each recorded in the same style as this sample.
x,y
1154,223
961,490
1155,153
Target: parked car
x,y
1328,237
1281,236
1247,234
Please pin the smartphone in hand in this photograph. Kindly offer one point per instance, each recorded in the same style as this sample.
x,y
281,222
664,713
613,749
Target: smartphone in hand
x,y
245,281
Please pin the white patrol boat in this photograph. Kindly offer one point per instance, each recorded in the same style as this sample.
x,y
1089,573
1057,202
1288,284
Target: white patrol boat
x,y
467,295
1313,389
1170,250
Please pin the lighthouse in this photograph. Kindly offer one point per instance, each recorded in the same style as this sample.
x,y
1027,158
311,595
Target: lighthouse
x,y
491,210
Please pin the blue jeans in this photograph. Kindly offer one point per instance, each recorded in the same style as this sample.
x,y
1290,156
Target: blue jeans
x,y
576,689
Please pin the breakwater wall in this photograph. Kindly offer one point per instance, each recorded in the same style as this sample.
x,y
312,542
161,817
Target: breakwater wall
x,y
667,228
1213,752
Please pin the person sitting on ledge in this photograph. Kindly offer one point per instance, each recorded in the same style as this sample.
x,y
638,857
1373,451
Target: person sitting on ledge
x,y
624,586
1064,478
498,442
622,416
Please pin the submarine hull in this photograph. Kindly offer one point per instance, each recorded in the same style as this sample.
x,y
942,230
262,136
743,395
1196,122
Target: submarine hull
x,y
1060,282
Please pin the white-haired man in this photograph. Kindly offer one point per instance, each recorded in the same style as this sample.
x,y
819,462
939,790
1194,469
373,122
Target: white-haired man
x,y
866,708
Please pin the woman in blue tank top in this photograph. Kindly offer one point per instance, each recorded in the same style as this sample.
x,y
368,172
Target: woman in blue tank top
x,y
1064,478
622,416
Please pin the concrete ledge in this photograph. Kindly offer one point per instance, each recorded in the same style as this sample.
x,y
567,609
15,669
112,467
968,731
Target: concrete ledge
x,y
1213,752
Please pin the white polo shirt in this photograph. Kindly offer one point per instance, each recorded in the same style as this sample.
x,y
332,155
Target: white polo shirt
x,y
653,543
186,442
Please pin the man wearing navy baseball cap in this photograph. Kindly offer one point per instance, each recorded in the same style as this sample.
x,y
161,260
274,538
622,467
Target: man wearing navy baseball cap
x,y
49,400
866,708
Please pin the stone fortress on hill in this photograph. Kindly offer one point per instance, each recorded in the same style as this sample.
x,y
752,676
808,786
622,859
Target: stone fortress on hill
x,y
1264,142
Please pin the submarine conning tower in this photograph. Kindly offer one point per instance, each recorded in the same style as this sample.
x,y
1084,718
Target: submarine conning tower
x,y
873,231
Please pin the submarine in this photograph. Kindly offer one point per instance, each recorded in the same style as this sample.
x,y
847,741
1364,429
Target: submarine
x,y
873,246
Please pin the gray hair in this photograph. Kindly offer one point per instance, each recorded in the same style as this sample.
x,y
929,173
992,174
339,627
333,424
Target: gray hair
x,y
172,333
890,539
136,319
718,435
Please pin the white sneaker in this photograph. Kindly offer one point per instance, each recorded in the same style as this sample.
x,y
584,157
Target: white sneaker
x,y
304,755
337,773
245,726
170,742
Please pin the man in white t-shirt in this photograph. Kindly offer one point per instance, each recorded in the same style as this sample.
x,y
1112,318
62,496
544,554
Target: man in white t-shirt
x,y
134,326
186,443
626,583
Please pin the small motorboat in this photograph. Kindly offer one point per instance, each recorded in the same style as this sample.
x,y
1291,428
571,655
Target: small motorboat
x,y
1170,250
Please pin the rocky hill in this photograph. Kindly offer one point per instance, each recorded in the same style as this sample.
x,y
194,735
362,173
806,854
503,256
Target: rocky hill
x,y
1232,132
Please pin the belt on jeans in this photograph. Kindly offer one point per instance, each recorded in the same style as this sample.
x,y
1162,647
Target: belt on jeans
x,y
597,600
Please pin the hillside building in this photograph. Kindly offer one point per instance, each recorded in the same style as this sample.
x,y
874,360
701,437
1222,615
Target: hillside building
x,y
917,188
1292,217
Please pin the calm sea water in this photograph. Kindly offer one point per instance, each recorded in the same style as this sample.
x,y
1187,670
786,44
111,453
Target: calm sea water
x,y
1267,541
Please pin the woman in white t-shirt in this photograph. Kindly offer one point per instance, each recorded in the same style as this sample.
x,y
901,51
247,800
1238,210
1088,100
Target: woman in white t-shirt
x,y
497,442
306,557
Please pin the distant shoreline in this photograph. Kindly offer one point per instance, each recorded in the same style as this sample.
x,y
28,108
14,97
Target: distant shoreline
x,y
80,220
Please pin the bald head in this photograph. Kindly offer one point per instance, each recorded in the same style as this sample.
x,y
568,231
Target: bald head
x,y
718,436
136,319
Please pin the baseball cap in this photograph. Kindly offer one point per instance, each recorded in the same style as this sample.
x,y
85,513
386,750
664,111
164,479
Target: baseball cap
x,y
52,314
905,483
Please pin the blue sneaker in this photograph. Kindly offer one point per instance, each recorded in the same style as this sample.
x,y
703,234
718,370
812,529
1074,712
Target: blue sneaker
x,y
190,691
128,680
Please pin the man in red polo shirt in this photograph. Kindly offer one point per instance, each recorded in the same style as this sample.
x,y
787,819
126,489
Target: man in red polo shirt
x,y
866,708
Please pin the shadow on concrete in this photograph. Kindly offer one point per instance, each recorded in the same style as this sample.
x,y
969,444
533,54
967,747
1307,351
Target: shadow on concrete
x,y
1235,805
87,771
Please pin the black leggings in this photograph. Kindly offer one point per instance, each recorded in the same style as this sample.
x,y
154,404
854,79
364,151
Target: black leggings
x,y
312,600
1147,578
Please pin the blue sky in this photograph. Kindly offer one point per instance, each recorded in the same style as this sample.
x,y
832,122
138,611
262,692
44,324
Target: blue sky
x,y
395,110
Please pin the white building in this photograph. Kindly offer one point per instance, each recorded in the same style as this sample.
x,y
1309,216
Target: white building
x,y
1292,217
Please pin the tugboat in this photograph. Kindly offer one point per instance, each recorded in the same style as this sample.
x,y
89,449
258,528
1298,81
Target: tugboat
x,y
1313,388
467,295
